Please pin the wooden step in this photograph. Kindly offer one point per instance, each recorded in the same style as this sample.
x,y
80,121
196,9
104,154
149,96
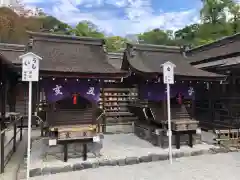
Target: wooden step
x,y
121,119
119,114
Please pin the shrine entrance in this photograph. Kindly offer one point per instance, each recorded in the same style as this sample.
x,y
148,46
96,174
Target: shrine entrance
x,y
71,103
71,111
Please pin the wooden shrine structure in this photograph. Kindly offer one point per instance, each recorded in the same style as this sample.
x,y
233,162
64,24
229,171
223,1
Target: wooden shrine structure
x,y
79,81
72,73
144,62
221,105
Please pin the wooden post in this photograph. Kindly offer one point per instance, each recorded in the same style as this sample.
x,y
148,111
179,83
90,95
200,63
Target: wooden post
x,y
14,135
65,152
193,104
192,108
12,105
12,92
38,90
35,96
84,151
211,103
21,128
103,105
3,114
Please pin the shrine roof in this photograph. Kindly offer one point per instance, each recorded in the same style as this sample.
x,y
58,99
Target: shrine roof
x,y
115,59
146,58
64,53
222,47
11,52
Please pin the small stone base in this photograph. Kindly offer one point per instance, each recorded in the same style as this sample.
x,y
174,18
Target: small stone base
x,y
110,162
161,139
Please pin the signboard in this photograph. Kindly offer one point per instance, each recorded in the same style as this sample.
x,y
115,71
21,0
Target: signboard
x,y
168,73
30,67
30,73
168,78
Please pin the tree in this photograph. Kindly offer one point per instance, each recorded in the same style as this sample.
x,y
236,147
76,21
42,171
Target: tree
x,y
234,9
214,25
213,11
187,35
52,24
14,24
115,43
85,28
11,28
156,36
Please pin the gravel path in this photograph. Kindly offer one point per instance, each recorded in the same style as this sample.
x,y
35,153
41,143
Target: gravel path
x,y
206,167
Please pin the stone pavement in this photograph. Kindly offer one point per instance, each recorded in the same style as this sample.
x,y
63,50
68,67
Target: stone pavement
x,y
205,167
13,165
118,150
8,136
11,170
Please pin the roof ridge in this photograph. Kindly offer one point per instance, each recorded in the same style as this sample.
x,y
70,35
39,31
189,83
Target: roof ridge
x,y
153,47
60,37
18,45
12,47
219,42
115,53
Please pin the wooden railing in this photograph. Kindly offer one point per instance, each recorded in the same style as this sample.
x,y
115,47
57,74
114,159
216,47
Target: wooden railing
x,y
8,146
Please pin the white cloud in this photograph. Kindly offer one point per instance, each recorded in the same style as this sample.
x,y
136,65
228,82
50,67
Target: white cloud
x,y
139,15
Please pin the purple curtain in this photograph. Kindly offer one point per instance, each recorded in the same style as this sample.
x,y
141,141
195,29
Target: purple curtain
x,y
59,89
157,92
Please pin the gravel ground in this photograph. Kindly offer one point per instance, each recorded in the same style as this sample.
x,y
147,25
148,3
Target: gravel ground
x,y
206,167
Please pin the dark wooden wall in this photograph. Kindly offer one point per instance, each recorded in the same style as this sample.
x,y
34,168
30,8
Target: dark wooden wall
x,y
218,107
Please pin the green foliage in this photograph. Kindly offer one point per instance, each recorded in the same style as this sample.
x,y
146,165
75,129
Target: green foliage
x,y
12,27
88,29
235,19
155,36
214,25
115,43
213,11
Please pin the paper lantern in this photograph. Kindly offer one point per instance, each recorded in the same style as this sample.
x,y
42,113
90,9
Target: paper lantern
x,y
75,99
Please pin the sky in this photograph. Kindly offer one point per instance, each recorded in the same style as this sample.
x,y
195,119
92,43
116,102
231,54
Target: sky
x,y
123,17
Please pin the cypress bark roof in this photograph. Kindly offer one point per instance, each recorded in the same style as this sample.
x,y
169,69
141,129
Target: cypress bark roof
x,y
63,53
222,47
115,59
11,52
220,63
149,58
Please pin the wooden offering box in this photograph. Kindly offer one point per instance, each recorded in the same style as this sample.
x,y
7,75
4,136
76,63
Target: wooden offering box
x,y
184,125
80,131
